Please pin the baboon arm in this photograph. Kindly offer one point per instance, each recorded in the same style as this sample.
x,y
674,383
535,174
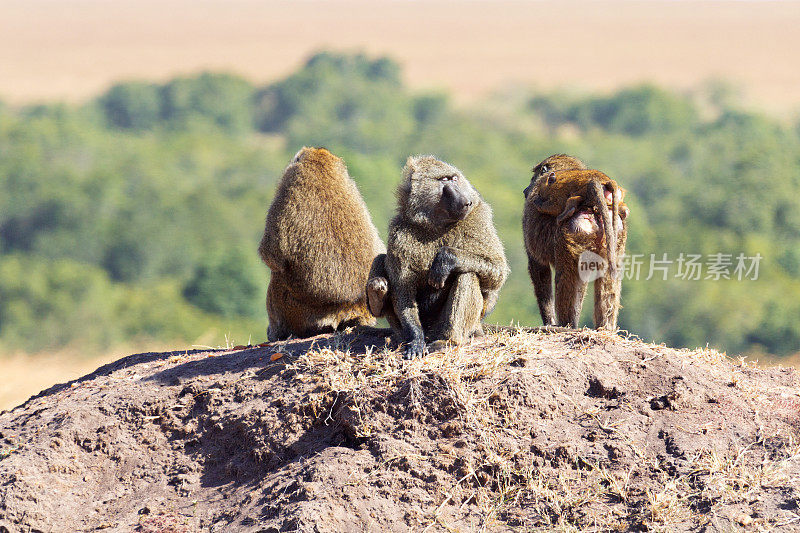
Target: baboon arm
x,y
545,208
378,268
491,271
569,209
266,248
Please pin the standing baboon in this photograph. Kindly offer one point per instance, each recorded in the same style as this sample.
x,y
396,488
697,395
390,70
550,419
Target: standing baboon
x,y
319,243
444,265
569,210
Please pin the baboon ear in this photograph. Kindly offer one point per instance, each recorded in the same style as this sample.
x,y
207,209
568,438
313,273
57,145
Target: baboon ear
x,y
296,157
411,166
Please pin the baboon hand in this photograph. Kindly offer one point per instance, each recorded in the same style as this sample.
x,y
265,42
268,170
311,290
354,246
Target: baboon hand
x,y
442,266
415,348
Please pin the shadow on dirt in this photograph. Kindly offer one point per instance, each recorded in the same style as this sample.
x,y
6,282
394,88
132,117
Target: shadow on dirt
x,y
357,342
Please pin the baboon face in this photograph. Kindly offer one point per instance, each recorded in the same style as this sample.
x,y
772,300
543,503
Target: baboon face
x,y
435,193
553,163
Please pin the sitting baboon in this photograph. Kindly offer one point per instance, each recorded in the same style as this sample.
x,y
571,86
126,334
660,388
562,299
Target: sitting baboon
x,y
444,265
319,243
569,210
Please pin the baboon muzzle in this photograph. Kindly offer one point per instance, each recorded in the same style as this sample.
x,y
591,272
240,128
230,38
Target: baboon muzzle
x,y
456,204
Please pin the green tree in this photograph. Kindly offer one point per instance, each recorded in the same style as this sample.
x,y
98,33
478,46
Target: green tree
x,y
132,105
227,284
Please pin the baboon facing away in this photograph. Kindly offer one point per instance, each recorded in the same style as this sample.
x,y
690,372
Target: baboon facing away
x,y
569,210
445,263
319,243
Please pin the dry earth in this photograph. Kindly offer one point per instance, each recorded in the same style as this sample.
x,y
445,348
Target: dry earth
x,y
579,430
73,49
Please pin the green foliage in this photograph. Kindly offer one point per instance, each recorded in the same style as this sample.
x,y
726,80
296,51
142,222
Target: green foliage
x,y
223,100
636,111
219,100
134,105
226,284
45,305
343,101
138,215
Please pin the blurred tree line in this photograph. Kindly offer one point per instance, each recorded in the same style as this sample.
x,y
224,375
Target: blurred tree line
x,y
136,216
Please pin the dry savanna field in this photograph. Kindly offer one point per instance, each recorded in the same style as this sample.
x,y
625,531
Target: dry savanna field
x,y
73,49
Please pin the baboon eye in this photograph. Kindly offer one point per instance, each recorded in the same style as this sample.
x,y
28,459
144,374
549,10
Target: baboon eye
x,y
545,168
452,177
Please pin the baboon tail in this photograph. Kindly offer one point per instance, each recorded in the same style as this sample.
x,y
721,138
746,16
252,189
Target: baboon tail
x,y
598,198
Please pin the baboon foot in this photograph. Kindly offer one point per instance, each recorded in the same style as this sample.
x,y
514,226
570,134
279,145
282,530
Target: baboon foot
x,y
440,345
415,348
377,289
276,332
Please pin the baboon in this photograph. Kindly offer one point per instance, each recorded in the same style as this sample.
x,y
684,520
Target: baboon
x,y
319,243
553,163
554,206
568,210
444,265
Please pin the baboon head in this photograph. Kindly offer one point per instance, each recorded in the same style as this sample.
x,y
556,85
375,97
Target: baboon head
x,y
313,162
553,163
434,194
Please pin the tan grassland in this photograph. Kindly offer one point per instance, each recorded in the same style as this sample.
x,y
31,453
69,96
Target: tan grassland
x,y
72,49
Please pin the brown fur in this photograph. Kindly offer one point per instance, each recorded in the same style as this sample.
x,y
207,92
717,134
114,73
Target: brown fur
x,y
558,226
319,243
557,203
442,273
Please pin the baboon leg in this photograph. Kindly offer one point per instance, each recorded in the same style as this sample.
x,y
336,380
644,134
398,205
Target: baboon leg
x,y
278,329
543,288
290,316
606,302
377,288
461,315
570,290
355,315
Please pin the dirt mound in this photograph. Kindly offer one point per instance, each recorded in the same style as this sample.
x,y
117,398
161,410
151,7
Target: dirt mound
x,y
517,430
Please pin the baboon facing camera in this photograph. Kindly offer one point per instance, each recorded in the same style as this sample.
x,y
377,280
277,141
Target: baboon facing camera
x,y
319,242
444,265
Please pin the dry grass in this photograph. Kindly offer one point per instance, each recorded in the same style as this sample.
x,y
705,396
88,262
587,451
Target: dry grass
x,y
73,49
591,497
